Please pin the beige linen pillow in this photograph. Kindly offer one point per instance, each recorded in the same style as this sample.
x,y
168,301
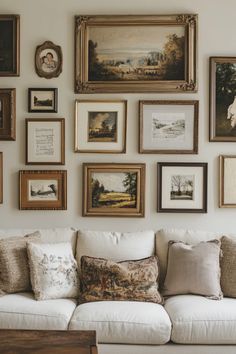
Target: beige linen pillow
x,y
193,269
228,266
53,270
14,269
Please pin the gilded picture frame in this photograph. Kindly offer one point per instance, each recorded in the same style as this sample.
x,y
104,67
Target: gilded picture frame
x,y
48,60
227,172
8,114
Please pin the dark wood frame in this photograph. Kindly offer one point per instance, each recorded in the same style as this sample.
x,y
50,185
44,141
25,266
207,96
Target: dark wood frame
x,y
48,45
194,103
124,133
37,110
222,203
1,177
62,149
88,210
8,132
16,40
160,165
60,204
82,83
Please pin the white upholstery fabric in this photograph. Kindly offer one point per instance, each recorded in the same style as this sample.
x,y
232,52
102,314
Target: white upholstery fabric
x,y
123,322
198,320
22,311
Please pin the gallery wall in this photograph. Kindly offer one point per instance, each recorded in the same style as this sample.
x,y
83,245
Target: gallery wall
x,y
54,20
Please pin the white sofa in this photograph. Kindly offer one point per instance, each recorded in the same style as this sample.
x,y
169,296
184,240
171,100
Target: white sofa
x,y
186,324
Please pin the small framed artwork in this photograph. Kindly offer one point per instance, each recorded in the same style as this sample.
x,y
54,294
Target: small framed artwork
x,y
222,99
45,141
139,53
1,178
48,60
8,114
43,190
100,126
168,127
113,189
10,45
227,181
181,187
42,100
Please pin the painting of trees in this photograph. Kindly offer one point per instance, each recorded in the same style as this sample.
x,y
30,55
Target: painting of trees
x,y
173,65
130,183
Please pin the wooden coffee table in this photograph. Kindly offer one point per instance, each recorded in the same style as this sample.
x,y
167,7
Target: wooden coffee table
x,y
47,342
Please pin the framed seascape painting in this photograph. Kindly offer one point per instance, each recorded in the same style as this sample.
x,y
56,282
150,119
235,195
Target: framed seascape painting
x,y
113,189
139,53
9,45
181,187
48,60
168,127
227,181
43,190
8,114
42,100
1,178
100,126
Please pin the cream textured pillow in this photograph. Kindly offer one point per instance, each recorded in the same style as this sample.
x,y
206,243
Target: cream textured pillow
x,y
14,269
193,269
228,266
53,270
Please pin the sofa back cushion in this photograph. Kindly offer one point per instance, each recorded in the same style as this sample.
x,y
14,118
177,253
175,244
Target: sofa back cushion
x,y
228,266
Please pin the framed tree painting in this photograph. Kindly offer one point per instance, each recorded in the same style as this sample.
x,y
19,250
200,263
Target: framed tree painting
x,y
181,187
154,53
113,189
227,181
8,114
1,178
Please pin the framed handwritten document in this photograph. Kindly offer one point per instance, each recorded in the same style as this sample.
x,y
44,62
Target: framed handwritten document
x,y
45,141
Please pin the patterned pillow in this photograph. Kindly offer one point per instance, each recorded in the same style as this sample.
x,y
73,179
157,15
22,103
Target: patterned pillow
x,y
53,270
14,269
103,279
228,266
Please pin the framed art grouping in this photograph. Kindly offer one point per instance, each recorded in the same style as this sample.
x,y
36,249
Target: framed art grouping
x,y
113,189
43,190
139,53
48,60
182,187
8,114
168,127
1,178
227,181
100,126
45,141
42,100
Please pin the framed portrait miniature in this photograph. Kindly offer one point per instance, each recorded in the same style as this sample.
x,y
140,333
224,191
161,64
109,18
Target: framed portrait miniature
x,y
139,53
9,45
45,141
42,100
181,187
48,60
113,189
168,127
1,178
100,126
227,181
43,190
8,114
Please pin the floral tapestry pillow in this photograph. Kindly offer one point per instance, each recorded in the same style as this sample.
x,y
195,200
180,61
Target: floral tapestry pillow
x,y
53,270
103,279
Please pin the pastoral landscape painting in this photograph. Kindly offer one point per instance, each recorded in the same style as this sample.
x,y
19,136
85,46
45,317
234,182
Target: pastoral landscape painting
x,y
168,126
182,187
43,190
102,126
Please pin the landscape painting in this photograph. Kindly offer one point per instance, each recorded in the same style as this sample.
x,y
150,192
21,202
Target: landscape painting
x,y
182,187
168,126
42,100
46,190
102,126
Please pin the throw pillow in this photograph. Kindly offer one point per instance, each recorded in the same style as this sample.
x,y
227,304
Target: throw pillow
x,y
14,269
228,266
193,269
53,270
103,279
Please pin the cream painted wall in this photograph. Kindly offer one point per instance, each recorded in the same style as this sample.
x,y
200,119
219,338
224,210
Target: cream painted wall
x,y
54,20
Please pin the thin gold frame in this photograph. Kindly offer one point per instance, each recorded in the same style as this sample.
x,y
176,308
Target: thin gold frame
x,y
222,203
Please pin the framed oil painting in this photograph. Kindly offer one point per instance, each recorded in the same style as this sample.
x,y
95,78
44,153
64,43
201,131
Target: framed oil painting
x,y
181,187
168,127
1,178
227,197
42,100
8,114
9,45
222,99
43,190
113,189
48,60
45,141
100,126
154,53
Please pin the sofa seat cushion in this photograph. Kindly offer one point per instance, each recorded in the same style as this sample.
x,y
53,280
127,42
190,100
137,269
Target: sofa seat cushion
x,y
22,311
198,320
127,322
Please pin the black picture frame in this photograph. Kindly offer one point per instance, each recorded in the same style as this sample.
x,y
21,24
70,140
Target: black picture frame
x,y
43,105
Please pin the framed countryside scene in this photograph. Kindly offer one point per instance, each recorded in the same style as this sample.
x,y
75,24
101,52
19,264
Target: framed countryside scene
x,y
168,127
113,189
43,190
227,198
42,100
8,114
181,187
100,126
48,60
135,53
1,178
